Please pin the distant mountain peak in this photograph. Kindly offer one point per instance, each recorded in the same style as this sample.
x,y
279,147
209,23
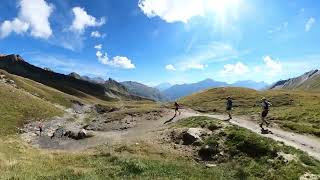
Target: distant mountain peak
x,y
309,81
163,86
75,75
12,58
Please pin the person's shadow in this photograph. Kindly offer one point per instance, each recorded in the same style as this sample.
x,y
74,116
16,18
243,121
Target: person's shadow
x,y
170,119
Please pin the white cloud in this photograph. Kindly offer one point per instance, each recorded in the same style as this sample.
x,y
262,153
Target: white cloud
x,y
234,69
97,34
170,67
34,16
82,20
122,62
103,58
98,46
309,24
184,10
16,26
117,61
273,67
172,10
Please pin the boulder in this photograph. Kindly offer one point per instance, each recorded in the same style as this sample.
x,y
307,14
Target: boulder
x,y
82,134
77,135
192,135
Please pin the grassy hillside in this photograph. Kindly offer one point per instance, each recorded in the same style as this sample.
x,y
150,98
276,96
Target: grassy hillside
x,y
293,110
41,91
18,106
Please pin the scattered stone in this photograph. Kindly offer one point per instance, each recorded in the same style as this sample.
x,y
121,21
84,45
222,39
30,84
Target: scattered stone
x,y
192,135
82,134
309,176
101,109
286,157
211,165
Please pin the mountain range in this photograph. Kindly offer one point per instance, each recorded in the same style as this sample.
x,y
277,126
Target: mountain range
x,y
144,91
309,81
178,91
84,86
71,84
163,86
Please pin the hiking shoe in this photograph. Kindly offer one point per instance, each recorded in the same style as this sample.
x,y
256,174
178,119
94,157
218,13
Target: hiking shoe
x,y
261,126
267,124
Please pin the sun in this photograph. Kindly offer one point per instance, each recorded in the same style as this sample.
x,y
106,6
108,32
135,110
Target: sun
x,y
223,9
221,6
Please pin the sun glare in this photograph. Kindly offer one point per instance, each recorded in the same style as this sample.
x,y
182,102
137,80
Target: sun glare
x,y
223,9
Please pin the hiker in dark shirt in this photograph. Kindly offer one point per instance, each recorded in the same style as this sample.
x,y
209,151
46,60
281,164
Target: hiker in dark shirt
x,y
265,110
229,107
176,108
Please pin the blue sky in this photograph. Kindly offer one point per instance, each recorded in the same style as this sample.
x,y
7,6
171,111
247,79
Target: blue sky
x,y
176,41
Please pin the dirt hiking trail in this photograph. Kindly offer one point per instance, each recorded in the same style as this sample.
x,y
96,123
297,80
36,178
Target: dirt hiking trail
x,y
146,129
306,143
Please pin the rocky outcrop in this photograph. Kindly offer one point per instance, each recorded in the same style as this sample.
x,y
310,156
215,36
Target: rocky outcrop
x,y
4,79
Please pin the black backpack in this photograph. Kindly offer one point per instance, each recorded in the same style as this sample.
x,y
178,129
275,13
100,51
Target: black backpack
x,y
266,105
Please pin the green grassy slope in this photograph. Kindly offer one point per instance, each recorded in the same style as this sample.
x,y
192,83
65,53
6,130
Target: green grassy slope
x,y
18,106
42,91
311,85
293,110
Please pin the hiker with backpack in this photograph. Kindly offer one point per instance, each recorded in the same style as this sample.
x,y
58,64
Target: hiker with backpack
x,y
229,106
265,110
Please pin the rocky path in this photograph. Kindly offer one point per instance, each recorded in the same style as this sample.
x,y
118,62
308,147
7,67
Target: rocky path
x,y
306,143
145,130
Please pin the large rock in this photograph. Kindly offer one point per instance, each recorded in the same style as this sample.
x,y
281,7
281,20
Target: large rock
x,y
77,135
192,135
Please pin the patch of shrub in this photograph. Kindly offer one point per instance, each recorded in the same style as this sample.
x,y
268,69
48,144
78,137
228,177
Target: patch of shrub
x,y
132,167
251,144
